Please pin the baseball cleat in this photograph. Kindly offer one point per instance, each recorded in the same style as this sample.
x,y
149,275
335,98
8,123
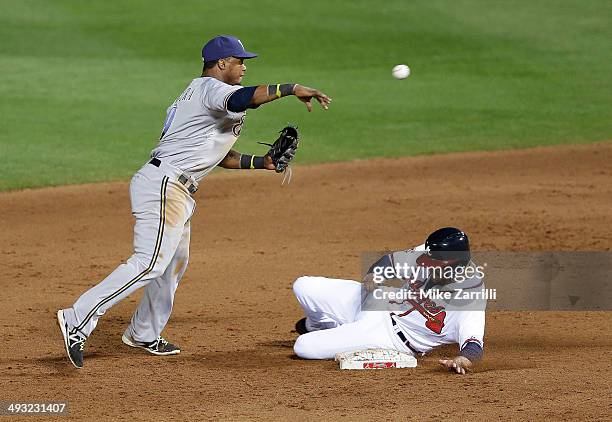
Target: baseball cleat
x,y
300,326
72,341
159,347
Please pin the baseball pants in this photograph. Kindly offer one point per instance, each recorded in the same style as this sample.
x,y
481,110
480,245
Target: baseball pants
x,y
336,322
162,208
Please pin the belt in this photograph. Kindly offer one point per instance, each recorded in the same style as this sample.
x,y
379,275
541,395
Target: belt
x,y
402,336
182,179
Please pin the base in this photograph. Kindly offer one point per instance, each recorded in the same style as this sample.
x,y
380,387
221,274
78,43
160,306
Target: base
x,y
375,359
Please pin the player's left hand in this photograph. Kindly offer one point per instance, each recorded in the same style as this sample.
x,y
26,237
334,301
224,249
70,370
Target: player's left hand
x,y
306,94
282,151
460,364
268,163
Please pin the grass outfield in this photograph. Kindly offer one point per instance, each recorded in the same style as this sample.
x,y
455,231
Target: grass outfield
x,y
85,85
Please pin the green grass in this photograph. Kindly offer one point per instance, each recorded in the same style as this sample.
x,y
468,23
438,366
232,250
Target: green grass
x,y
85,85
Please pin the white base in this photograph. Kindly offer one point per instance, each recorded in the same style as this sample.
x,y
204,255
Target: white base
x,y
375,359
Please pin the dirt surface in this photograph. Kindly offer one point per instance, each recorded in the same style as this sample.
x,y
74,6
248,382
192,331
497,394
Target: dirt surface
x,y
234,311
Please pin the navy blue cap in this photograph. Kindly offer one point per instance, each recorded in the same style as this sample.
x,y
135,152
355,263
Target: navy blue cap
x,y
446,246
225,46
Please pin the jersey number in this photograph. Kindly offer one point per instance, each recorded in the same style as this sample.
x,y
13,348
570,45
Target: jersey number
x,y
237,128
169,119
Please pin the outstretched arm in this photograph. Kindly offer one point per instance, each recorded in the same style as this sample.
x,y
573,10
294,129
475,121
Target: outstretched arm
x,y
254,96
236,160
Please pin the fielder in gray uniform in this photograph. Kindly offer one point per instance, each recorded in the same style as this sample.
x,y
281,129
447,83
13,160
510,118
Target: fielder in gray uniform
x,y
201,127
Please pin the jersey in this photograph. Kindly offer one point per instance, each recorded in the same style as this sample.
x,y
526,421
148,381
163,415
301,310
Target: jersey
x,y
426,322
199,130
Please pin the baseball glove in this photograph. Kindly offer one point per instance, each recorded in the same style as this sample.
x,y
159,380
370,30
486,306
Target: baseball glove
x,y
282,151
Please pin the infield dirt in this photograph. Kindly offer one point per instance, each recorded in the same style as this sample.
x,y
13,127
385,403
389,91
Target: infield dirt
x,y
234,311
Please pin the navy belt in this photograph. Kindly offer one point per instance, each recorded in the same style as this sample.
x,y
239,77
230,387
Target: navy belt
x,y
402,336
182,179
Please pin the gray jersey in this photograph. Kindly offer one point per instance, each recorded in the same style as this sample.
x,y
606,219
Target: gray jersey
x,y
199,130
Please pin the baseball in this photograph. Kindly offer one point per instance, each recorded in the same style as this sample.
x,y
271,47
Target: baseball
x,y
401,71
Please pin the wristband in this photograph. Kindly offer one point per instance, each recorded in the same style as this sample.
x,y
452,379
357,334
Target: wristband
x,y
257,162
281,90
251,162
472,351
245,161
286,89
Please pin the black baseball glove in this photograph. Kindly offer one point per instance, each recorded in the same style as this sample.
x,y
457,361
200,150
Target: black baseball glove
x,y
282,151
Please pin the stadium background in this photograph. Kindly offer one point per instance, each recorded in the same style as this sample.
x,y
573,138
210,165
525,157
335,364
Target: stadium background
x,y
85,85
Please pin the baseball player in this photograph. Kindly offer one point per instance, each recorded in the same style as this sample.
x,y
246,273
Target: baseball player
x,y
200,128
336,322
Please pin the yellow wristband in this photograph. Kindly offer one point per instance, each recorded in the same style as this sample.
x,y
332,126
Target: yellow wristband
x,y
252,158
278,92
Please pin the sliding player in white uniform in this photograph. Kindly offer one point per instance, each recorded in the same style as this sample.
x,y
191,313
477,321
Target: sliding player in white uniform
x,y
200,129
345,315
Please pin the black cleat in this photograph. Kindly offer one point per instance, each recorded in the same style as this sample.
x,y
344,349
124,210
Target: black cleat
x,y
73,342
159,347
300,326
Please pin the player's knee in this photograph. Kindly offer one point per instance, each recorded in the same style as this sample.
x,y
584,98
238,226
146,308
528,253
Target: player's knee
x,y
151,268
139,261
305,348
307,285
154,273
300,284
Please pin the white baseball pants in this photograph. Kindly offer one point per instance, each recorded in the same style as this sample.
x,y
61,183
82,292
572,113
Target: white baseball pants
x,y
336,322
162,208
